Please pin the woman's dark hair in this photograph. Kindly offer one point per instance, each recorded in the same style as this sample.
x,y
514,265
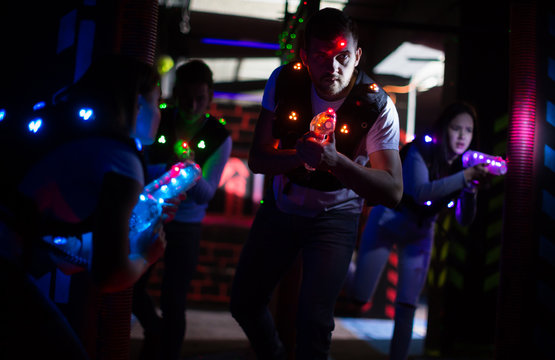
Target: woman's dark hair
x,y
326,24
436,153
111,87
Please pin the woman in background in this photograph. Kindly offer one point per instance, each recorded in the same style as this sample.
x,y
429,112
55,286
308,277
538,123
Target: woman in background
x,y
433,178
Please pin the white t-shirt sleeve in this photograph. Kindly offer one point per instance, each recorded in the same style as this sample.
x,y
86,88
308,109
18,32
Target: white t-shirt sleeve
x,y
384,134
269,97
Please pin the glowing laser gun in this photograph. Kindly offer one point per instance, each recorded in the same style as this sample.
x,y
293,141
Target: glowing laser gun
x,y
322,125
180,178
494,164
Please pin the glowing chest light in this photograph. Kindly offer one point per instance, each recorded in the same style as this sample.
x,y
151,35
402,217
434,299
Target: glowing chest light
x,y
293,116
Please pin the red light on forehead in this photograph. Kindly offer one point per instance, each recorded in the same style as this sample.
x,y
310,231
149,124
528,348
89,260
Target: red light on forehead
x,y
341,43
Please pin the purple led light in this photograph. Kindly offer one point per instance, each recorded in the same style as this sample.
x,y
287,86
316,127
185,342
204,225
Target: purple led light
x,y
240,43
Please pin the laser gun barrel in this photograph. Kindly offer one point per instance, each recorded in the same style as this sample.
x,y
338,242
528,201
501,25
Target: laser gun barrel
x,y
180,178
495,164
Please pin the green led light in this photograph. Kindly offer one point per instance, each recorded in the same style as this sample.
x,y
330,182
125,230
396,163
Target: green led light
x,y
222,121
207,115
201,144
162,139
262,201
301,20
293,36
289,46
163,105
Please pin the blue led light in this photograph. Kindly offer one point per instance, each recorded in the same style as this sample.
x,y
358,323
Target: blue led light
x,y
427,138
35,124
2,114
39,105
240,43
138,144
428,203
59,240
451,204
86,114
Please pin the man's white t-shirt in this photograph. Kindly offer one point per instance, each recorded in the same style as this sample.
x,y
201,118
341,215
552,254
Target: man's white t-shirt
x,y
300,200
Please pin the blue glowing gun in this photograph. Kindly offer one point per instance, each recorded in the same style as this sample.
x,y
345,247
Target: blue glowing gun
x,y
180,178
495,164
74,253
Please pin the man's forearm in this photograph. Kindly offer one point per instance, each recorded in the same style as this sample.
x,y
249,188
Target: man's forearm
x,y
377,186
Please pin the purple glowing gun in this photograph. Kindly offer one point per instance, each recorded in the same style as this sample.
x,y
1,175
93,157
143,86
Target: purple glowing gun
x,y
494,164
322,125
180,178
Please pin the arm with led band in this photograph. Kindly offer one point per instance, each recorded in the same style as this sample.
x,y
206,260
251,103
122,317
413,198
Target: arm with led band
x,y
425,192
417,182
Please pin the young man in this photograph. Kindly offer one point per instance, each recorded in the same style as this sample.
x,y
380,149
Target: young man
x,y
314,213
184,122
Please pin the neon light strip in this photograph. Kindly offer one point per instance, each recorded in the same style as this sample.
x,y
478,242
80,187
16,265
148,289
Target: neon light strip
x,y
239,97
240,43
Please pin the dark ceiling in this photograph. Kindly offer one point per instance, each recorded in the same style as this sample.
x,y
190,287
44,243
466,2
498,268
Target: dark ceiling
x,y
384,25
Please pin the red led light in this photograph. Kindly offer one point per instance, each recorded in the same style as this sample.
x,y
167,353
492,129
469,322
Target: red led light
x,y
344,129
297,66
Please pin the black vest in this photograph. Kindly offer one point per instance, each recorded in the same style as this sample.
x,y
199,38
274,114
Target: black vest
x,y
204,143
357,115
